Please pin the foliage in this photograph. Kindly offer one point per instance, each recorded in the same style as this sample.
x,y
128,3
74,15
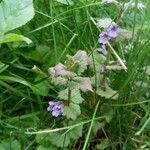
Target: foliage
x,y
102,88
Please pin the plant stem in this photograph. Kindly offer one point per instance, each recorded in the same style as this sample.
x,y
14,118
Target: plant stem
x,y
103,83
91,125
117,56
69,96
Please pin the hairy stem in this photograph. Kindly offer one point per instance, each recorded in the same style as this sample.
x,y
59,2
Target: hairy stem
x,y
103,82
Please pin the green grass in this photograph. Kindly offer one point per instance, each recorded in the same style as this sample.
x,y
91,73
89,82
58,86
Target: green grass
x,y
58,30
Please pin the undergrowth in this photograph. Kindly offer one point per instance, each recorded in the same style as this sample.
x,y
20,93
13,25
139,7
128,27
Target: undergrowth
x,y
74,74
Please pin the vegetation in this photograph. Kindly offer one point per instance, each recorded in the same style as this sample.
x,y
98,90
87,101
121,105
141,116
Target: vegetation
x,y
74,74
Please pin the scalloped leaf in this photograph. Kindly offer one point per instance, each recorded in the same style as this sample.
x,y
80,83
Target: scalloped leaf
x,y
72,111
42,139
75,96
76,132
41,86
84,84
51,139
124,35
10,144
96,61
81,58
107,93
60,140
104,144
107,111
105,22
97,126
59,74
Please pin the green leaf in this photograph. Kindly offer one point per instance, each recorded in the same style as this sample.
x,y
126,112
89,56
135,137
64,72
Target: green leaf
x,y
107,93
41,54
60,140
60,81
2,147
96,61
104,23
10,144
72,111
63,95
14,38
75,96
82,83
81,58
71,64
60,72
51,140
124,35
14,14
107,111
66,2
103,144
45,142
76,132
96,80
97,126
42,87
43,139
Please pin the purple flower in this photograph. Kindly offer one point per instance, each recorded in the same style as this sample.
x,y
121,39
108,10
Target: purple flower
x,y
113,31
102,50
103,38
56,108
103,70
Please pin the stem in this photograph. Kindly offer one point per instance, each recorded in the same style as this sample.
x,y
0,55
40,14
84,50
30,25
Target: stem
x,y
143,127
104,76
91,125
95,89
67,121
117,56
71,127
69,96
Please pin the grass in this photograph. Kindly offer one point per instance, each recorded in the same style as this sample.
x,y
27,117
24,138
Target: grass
x,y
58,30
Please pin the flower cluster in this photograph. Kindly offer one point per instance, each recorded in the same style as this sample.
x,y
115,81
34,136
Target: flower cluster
x,y
104,37
56,108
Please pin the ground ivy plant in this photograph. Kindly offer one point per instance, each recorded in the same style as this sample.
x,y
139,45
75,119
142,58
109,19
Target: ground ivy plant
x,y
69,76
81,80
75,87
